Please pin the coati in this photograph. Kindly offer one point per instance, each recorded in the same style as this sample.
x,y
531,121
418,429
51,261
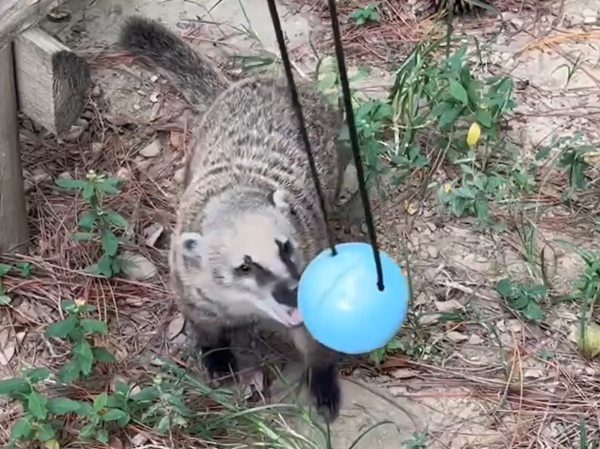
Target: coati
x,y
248,220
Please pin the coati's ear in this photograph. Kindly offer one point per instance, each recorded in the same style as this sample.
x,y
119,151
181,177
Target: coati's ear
x,y
279,200
192,246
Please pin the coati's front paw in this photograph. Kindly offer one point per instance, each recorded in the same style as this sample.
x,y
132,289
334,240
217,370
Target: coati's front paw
x,y
324,386
218,362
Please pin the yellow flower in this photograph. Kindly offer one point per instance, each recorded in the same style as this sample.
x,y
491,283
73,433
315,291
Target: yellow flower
x,y
473,134
52,444
79,302
447,188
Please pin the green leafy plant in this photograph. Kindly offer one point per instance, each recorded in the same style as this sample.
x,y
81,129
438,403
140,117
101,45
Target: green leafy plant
x,y
366,14
524,298
378,355
24,270
98,223
572,157
79,329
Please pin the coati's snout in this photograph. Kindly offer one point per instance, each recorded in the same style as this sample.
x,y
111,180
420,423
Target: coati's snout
x,y
285,295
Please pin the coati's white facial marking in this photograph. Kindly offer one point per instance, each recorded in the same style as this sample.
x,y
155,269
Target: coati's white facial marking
x,y
251,262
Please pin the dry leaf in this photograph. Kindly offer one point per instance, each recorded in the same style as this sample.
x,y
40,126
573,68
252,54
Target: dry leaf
x,y
176,139
533,373
176,326
475,340
395,361
430,318
52,444
115,443
7,354
139,440
152,233
448,306
456,337
403,374
411,207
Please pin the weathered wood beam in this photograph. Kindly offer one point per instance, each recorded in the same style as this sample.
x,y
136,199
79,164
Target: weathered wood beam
x,y
52,81
18,15
14,231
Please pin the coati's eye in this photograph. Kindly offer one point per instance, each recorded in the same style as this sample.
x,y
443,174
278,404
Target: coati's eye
x,y
244,268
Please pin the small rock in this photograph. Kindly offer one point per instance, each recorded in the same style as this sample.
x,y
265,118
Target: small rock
x,y
39,175
74,134
475,340
153,78
456,337
137,267
448,306
151,150
139,440
83,123
65,175
96,91
124,173
179,175
403,373
398,391
533,373
176,326
154,97
430,318
97,147
152,233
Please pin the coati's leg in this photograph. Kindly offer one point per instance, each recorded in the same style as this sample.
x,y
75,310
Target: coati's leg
x,y
213,340
321,373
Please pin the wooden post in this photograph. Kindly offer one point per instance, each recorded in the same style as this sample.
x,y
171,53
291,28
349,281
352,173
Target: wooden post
x,y
18,15
14,230
52,81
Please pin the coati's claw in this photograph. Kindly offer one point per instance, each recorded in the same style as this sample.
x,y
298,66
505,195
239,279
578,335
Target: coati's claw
x,y
325,389
219,362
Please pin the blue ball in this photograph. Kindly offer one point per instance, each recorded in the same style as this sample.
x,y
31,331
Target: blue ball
x,y
341,304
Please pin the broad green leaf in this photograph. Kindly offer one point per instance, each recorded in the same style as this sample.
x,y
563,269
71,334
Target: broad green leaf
x,y
88,191
62,328
105,266
62,406
69,306
88,220
484,118
82,352
9,386
102,436
69,372
110,242
21,429
87,431
100,402
103,355
24,269
449,117
533,312
71,183
38,374
94,326
113,415
5,300
163,425
4,268
45,432
116,219
505,288
36,405
109,186
459,92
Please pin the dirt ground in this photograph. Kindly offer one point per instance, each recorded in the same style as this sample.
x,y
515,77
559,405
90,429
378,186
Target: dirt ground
x,y
483,381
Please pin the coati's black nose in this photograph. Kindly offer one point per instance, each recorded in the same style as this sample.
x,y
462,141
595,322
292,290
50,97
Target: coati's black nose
x,y
286,296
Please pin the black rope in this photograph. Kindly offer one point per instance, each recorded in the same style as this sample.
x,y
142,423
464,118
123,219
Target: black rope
x,y
351,127
296,103
360,173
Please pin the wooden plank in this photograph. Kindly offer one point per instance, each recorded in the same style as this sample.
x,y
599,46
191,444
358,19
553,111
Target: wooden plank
x,y
52,81
14,231
18,15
